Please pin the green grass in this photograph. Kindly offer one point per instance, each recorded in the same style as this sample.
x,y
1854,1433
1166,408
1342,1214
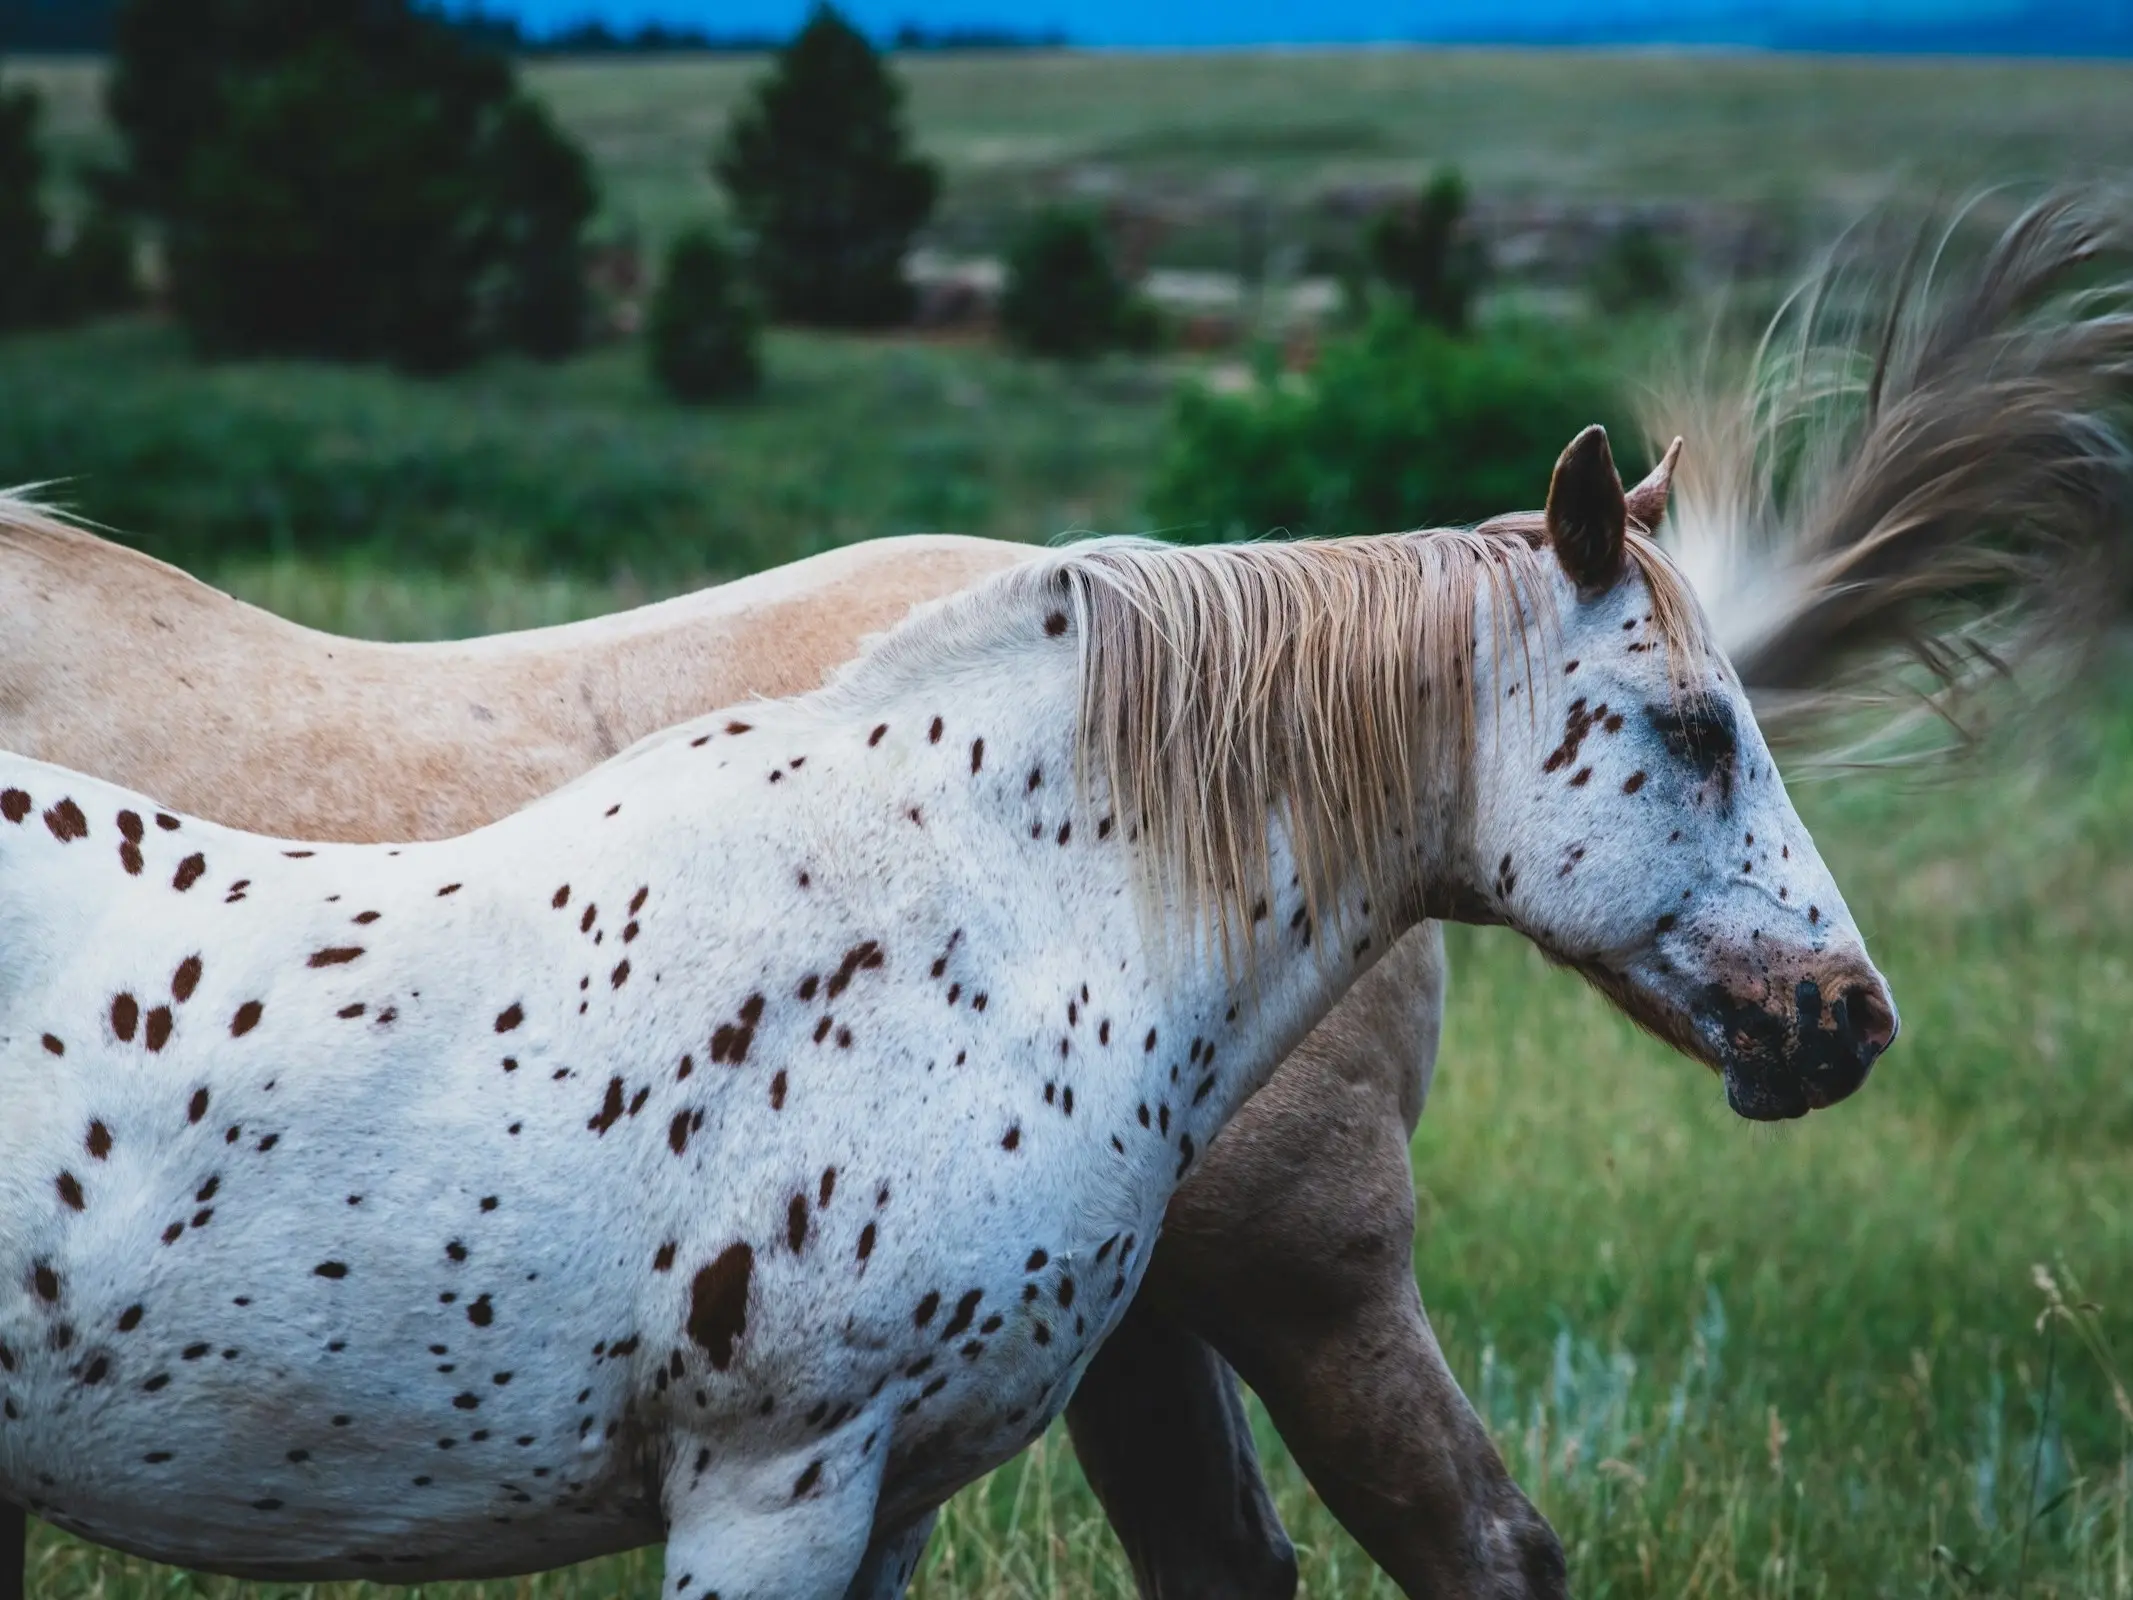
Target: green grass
x,y
582,467
1727,1361
1813,131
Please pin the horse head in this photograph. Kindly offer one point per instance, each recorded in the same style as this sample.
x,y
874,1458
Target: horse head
x,y
1628,816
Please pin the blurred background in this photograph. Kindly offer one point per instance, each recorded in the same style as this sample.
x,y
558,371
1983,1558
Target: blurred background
x,y
411,322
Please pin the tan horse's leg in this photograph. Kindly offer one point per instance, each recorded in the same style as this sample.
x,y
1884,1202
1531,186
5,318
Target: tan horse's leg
x,y
1162,1437
1292,1252
14,1551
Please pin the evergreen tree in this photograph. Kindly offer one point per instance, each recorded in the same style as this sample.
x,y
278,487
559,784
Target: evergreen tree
x,y
25,262
1424,256
701,335
822,179
1064,296
347,178
539,188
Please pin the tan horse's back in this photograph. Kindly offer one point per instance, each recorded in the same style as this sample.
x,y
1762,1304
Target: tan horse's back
x,y
355,740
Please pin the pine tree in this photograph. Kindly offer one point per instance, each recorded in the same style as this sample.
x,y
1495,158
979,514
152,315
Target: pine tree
x,y
823,182
25,259
539,189
1426,257
700,337
1064,296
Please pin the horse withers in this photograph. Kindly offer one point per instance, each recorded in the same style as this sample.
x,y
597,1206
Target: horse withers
x,y
752,1142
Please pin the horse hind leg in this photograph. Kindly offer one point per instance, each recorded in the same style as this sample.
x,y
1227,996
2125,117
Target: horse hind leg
x,y
794,1527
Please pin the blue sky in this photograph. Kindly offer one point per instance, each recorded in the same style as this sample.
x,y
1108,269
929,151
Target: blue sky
x,y
2040,26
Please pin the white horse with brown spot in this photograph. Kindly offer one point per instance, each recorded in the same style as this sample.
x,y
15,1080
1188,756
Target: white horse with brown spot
x,y
752,1143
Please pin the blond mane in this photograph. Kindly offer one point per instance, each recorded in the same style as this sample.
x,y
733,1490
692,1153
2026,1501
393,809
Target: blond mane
x,y
1327,682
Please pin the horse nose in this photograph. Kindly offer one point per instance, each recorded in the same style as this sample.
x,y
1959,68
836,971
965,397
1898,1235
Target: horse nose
x,y
1867,1017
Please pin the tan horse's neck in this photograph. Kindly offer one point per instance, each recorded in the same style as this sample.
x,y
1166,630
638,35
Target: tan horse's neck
x,y
96,624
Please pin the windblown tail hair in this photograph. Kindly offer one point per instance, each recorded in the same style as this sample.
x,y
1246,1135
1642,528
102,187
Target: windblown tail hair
x,y
1925,482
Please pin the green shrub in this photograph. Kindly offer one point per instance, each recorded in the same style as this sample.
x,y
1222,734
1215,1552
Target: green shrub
x,y
95,274
1403,426
819,169
702,331
1422,253
1064,296
1639,268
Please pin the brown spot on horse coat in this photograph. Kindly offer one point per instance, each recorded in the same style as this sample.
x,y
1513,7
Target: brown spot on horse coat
x,y
718,1304
610,1111
246,1020
14,804
70,1193
160,1023
335,956
510,1017
185,980
66,822
189,872
125,1016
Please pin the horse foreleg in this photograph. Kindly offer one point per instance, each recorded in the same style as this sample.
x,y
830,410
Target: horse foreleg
x,y
794,1527
14,1551
892,1560
1366,1404
1162,1436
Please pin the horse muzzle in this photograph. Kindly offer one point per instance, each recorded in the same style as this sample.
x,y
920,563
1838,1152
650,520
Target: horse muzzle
x,y
1811,1049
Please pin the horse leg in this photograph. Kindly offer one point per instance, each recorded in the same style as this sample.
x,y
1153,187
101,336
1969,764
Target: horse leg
x,y
1292,1252
14,1551
891,1560
792,1527
1161,1433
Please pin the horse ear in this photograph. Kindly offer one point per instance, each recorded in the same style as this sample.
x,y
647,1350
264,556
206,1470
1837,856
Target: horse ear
x,y
1647,502
1587,512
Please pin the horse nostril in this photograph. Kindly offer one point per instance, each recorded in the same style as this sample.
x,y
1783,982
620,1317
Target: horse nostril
x,y
1869,1018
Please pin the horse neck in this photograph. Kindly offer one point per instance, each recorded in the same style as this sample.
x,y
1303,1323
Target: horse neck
x,y
1008,799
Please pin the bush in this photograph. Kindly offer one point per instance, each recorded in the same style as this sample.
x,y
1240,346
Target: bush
x,y
1403,426
702,331
25,262
1422,253
1638,269
1064,296
818,167
539,187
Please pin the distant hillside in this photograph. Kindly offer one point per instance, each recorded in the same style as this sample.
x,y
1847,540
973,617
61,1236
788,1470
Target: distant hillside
x,y
55,26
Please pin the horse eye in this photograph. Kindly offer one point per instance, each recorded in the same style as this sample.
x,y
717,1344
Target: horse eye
x,y
1704,737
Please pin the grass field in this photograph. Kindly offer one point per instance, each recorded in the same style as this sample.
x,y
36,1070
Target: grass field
x,y
1794,131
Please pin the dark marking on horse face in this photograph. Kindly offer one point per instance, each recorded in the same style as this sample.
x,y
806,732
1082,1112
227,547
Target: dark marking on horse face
x,y
678,1132
866,1241
190,871
1633,782
125,1016
46,1282
1055,624
330,1269
718,1304
777,1090
1012,1138
66,822
663,1260
481,1313
809,1476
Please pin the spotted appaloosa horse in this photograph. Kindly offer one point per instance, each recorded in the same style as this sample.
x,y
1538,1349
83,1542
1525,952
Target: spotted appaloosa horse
x,y
752,1142
1288,1250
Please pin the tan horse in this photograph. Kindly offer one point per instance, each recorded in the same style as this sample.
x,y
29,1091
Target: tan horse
x,y
1289,1254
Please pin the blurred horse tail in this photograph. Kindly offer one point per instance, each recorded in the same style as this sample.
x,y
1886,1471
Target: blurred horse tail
x,y
1924,479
